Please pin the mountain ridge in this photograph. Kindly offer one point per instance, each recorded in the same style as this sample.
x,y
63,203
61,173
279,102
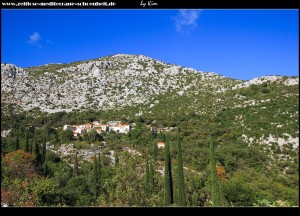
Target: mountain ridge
x,y
111,81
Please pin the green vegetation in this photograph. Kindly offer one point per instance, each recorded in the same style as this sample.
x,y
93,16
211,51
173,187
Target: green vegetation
x,y
168,192
217,158
181,191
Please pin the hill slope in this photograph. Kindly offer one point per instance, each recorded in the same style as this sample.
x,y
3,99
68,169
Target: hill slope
x,y
254,123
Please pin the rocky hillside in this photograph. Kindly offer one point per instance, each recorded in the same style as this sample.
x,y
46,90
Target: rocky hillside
x,y
262,110
254,126
105,83
111,82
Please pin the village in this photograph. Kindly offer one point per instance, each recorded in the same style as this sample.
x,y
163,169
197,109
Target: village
x,y
116,126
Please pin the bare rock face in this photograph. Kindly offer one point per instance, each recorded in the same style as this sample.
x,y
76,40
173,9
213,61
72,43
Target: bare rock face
x,y
10,71
111,82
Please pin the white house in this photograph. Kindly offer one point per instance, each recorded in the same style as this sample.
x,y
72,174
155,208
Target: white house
x,y
104,127
160,144
120,128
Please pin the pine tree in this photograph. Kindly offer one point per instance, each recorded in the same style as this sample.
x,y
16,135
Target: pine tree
x,y
151,178
181,191
26,142
168,193
75,170
147,179
214,183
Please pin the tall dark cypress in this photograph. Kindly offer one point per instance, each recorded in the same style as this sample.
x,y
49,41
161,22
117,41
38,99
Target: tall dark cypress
x,y
181,191
44,146
147,179
168,194
33,145
99,172
96,176
99,167
151,178
213,175
95,169
17,143
117,160
154,151
37,154
26,141
75,169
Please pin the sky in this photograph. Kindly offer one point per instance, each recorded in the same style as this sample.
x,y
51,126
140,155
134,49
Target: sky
x,y
240,44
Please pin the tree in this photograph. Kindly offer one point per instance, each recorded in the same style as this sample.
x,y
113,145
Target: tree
x,y
151,178
154,151
168,192
181,191
37,154
26,144
147,179
33,144
116,159
66,135
95,169
18,172
43,152
91,136
96,176
18,164
99,170
75,169
17,143
214,180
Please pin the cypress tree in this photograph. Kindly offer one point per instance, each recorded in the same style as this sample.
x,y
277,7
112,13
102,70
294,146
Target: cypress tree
x,y
154,151
99,172
43,152
151,178
181,192
96,176
95,169
168,193
17,143
147,179
37,154
75,170
44,146
213,174
116,160
99,167
33,146
26,142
